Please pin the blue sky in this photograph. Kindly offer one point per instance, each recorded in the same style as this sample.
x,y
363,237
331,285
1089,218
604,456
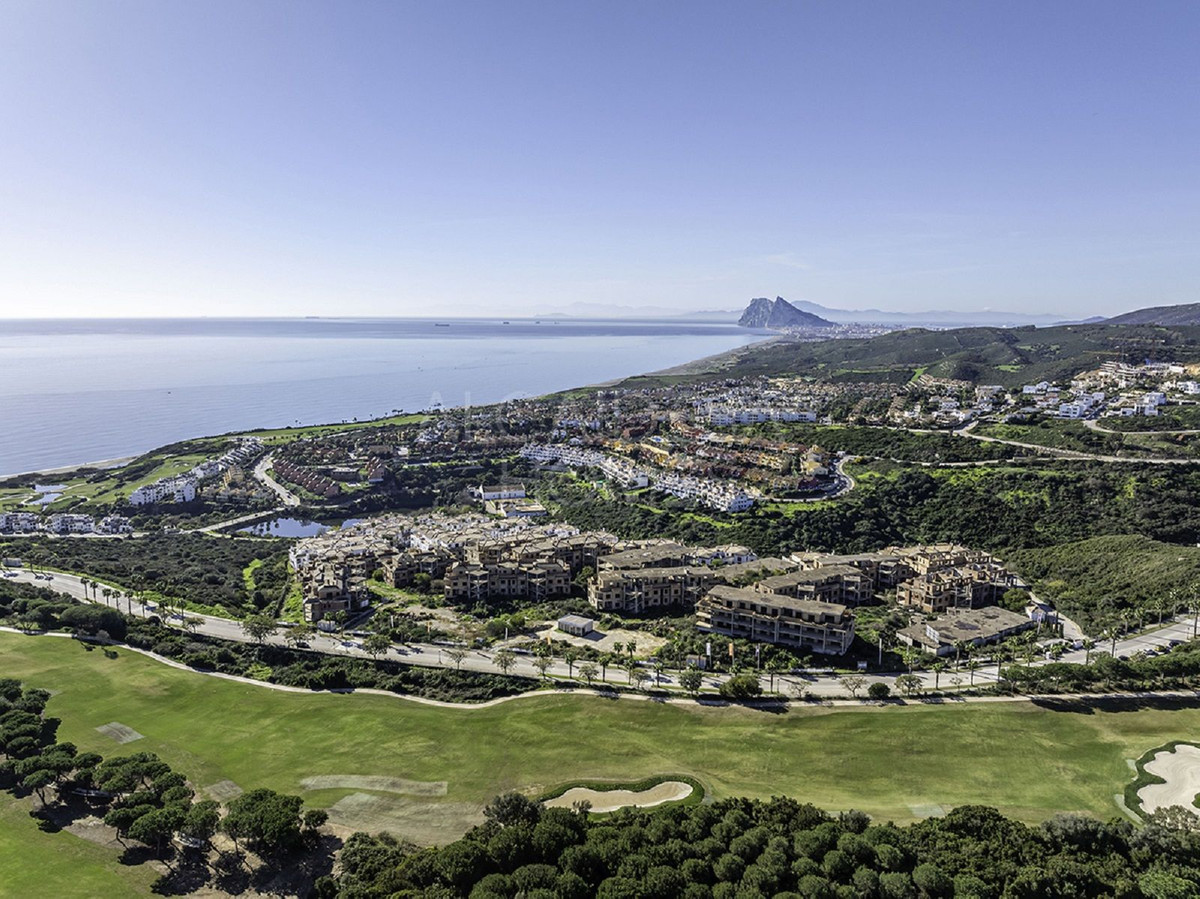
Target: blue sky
x,y
514,157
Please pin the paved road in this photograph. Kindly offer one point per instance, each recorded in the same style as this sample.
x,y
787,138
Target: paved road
x,y
260,472
815,683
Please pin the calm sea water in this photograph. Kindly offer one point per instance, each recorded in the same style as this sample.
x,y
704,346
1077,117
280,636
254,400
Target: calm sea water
x,y
83,390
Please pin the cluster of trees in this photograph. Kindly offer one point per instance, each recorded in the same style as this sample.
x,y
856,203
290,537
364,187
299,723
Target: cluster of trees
x,y
139,795
192,567
314,671
1177,669
1000,508
33,608
1102,580
781,848
888,443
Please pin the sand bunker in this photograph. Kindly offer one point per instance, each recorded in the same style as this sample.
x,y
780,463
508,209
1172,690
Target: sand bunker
x,y
376,782
1181,771
611,800
119,732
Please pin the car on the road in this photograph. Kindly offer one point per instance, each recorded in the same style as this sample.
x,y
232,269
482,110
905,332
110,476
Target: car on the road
x,y
302,644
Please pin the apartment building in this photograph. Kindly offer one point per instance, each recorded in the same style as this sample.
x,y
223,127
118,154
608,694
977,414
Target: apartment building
x,y
885,568
633,591
977,627
959,587
537,581
799,624
838,584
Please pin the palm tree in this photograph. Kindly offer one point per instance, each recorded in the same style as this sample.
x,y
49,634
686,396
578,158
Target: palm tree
x,y
937,668
1088,646
605,660
972,666
569,656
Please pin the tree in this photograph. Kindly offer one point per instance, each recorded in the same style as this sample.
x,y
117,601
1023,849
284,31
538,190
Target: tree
x,y
259,627
301,633
37,781
908,684
570,655
879,691
639,676
853,683
265,818
542,664
505,660
588,672
775,666
937,668
691,679
377,644
457,655
156,827
741,686
201,821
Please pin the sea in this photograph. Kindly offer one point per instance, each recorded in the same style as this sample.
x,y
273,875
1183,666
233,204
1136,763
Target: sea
x,y
83,390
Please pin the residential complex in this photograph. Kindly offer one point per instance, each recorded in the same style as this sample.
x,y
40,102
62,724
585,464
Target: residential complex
x,y
800,624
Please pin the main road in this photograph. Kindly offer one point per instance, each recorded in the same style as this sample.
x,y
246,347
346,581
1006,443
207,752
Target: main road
x,y
816,683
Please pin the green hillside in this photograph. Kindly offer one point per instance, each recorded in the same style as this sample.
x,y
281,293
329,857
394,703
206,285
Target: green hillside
x,y
1183,314
1007,356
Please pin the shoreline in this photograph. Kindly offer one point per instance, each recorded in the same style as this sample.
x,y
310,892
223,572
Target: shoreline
x,y
701,365
65,469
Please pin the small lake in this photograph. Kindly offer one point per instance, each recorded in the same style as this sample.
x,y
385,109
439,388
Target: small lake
x,y
293,527
49,493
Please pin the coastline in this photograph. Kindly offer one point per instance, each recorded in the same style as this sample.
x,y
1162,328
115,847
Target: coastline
x,y
703,364
67,469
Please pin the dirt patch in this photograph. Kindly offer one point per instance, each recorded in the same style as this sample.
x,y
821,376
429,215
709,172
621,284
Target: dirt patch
x,y
931,810
604,641
223,790
94,830
1180,768
424,823
119,732
376,782
611,800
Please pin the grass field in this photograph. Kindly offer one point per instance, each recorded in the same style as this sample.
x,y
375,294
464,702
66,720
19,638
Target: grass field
x,y
892,762
33,863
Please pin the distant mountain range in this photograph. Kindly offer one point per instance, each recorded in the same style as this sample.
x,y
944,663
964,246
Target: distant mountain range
x,y
779,313
1183,314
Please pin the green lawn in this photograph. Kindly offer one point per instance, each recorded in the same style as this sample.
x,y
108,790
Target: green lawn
x,y
1027,761
275,436
33,863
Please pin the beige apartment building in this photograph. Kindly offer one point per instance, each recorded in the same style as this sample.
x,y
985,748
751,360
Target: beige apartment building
x,y
799,624
841,584
538,580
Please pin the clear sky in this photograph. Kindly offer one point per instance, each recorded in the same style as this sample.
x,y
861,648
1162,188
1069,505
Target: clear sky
x,y
394,158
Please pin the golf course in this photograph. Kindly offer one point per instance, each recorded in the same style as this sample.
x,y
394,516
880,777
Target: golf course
x,y
382,762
